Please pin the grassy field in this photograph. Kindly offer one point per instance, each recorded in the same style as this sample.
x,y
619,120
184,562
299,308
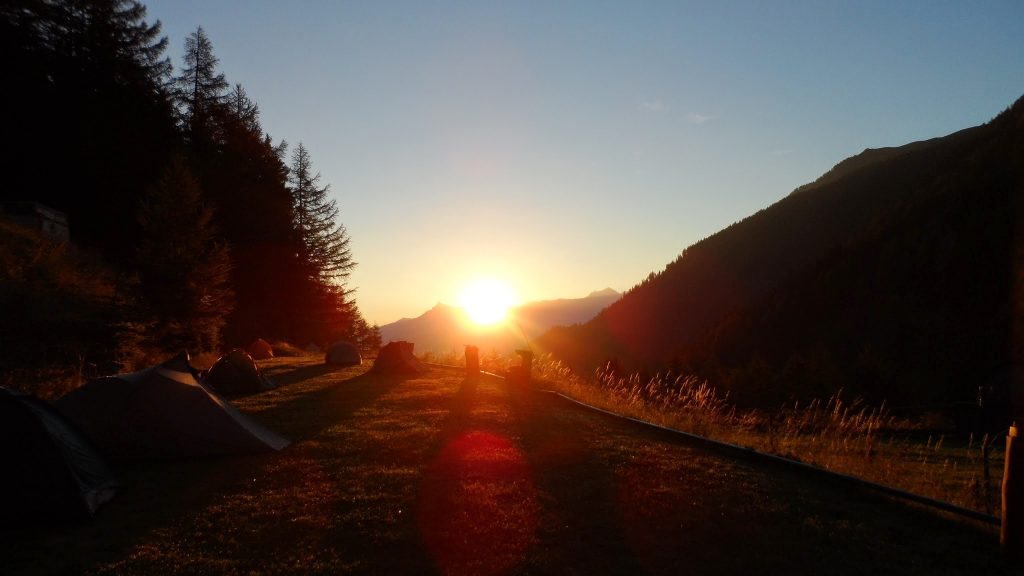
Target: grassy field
x,y
440,475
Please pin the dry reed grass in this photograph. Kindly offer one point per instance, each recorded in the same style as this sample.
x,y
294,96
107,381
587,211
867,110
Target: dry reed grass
x,y
838,434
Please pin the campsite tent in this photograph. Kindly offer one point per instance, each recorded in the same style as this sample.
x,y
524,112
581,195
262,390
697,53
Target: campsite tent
x,y
397,358
344,354
163,412
51,471
236,373
260,349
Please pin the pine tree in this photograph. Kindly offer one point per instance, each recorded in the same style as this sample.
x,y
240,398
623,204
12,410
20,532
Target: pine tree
x,y
183,270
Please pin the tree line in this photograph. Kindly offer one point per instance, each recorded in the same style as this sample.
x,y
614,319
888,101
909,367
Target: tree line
x,y
218,234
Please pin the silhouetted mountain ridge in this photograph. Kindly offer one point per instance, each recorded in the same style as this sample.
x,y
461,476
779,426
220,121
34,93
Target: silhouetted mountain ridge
x,y
873,156
891,275
446,328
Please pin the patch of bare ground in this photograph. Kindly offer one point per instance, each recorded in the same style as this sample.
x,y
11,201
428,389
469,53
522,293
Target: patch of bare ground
x,y
437,474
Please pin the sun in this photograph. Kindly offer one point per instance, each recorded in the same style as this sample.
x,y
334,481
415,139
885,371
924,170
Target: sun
x,y
486,301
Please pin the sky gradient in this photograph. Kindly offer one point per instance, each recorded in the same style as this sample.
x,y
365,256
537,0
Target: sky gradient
x,y
569,146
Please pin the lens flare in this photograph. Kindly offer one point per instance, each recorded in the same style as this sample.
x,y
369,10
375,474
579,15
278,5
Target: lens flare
x,y
478,510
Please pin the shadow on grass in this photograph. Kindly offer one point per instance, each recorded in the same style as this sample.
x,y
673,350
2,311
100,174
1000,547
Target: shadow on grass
x,y
304,373
705,501
459,412
581,489
304,416
153,494
156,493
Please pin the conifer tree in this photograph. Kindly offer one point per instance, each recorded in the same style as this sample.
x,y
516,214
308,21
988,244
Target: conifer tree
x,y
183,269
112,37
200,89
324,240
367,337
324,257
244,110
85,80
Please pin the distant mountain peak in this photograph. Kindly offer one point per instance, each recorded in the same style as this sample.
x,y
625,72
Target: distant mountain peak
x,y
443,327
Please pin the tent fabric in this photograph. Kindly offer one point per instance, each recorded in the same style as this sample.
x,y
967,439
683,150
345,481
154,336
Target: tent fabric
x,y
343,354
260,349
163,412
236,373
397,358
51,471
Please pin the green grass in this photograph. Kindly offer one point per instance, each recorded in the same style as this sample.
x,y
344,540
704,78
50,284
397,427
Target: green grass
x,y
437,474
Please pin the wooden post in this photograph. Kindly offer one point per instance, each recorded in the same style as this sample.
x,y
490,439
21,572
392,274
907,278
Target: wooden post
x,y
1011,535
526,362
472,360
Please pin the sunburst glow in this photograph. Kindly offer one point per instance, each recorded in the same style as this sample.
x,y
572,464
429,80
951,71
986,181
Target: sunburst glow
x,y
486,301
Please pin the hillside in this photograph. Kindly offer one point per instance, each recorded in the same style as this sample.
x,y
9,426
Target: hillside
x,y
65,313
444,328
893,275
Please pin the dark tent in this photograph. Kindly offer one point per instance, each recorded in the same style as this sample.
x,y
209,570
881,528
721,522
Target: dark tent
x,y
236,373
163,412
260,349
343,354
397,358
51,472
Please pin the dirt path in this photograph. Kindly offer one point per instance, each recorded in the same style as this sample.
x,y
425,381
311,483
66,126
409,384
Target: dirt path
x,y
439,474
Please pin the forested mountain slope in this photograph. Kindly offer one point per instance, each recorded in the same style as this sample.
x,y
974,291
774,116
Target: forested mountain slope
x,y
894,275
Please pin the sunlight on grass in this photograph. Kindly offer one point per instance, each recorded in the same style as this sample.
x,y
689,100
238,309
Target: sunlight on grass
x,y
838,434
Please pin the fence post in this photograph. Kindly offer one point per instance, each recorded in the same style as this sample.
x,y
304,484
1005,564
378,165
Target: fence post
x,y
526,361
1011,535
472,360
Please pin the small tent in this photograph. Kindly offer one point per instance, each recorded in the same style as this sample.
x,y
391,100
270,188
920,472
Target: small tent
x,y
397,358
343,354
163,412
260,349
51,472
236,373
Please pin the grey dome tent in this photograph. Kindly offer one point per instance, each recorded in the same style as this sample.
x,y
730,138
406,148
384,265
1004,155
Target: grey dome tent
x,y
163,412
397,358
236,373
51,471
343,354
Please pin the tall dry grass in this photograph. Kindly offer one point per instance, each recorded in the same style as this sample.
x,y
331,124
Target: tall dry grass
x,y
839,434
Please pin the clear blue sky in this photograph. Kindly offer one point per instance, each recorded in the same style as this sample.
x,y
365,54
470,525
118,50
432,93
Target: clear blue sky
x,y
570,146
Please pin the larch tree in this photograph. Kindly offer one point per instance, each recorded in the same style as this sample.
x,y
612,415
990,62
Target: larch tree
x,y
200,89
323,255
324,240
244,110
